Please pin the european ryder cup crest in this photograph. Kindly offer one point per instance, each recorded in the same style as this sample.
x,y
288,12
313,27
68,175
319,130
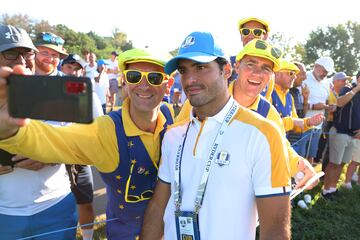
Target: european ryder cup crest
x,y
190,40
222,159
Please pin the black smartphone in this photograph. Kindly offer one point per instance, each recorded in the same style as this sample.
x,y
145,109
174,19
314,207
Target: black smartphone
x,y
5,158
57,98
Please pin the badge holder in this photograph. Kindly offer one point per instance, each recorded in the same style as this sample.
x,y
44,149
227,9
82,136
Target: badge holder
x,y
187,225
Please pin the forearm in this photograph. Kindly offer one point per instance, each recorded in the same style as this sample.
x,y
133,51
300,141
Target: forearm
x,y
153,225
343,100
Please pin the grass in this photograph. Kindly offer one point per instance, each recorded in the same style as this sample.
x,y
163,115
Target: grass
x,y
330,220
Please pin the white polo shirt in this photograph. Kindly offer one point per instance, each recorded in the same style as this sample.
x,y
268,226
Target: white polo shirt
x,y
257,167
319,93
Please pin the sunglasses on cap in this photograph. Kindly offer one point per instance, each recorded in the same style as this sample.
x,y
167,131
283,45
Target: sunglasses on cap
x,y
13,55
153,78
255,31
275,52
47,37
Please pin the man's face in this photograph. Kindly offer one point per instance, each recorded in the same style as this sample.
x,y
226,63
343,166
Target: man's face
x,y
319,72
72,69
254,74
203,83
339,84
251,36
47,59
300,77
18,56
285,79
145,97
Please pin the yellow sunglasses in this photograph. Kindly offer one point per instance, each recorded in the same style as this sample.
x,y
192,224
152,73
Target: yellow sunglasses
x,y
255,31
153,78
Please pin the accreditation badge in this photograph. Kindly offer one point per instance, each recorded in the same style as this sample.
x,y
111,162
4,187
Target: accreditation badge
x,y
187,225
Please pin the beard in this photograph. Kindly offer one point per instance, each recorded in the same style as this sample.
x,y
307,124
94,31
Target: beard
x,y
45,67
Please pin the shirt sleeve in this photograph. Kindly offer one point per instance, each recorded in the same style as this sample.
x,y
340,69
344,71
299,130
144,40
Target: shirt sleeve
x,y
87,144
164,173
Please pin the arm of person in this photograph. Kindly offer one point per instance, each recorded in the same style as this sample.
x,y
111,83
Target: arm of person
x,y
153,225
271,181
274,217
87,144
346,98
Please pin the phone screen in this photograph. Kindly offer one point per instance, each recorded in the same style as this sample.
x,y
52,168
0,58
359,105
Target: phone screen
x,y
56,98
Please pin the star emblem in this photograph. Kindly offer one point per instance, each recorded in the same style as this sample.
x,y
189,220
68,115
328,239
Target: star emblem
x,y
130,144
132,187
119,191
146,173
133,161
118,177
121,206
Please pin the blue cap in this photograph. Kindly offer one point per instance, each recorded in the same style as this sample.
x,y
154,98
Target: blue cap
x,y
199,47
102,62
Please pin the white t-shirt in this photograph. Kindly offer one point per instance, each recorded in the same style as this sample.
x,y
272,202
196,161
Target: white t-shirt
x,y
25,192
319,92
101,87
112,65
229,209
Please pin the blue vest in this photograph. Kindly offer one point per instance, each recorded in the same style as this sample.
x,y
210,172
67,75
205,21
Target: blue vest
x,y
286,110
133,156
263,107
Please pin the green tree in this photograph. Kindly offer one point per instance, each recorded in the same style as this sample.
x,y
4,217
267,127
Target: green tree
x,y
120,41
18,20
99,41
340,42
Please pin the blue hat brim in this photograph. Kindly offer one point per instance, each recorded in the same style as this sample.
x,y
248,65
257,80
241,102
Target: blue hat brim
x,y
200,57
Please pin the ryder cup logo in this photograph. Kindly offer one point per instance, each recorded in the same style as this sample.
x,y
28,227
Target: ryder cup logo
x,y
13,36
222,159
190,40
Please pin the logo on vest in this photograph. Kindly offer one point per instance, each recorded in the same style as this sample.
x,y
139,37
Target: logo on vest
x,y
222,158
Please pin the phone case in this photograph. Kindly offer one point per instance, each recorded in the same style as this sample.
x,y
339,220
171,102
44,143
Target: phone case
x,y
57,98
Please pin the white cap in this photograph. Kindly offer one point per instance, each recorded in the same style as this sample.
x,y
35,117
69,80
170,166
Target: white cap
x,y
327,63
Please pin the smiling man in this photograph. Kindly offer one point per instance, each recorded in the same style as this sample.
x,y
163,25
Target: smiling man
x,y
124,145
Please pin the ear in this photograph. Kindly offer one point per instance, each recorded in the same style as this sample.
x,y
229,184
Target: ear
x,y
227,71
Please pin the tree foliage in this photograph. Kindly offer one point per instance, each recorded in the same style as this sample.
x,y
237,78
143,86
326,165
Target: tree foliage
x,y
75,42
340,42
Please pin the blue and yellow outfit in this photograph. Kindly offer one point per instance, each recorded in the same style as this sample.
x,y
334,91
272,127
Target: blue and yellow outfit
x,y
115,146
265,109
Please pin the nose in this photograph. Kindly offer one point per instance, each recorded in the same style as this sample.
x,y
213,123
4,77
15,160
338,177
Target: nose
x,y
144,83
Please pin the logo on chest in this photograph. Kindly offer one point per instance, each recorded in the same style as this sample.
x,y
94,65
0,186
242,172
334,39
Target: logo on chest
x,y
222,158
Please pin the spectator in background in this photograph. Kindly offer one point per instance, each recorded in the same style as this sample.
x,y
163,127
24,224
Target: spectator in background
x,y
338,82
344,139
319,92
300,93
35,198
113,73
284,102
91,68
101,85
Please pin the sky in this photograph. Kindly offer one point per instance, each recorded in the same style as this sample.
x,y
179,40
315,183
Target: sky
x,y
163,24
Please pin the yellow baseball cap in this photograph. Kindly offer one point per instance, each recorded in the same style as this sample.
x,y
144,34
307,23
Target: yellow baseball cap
x,y
245,20
288,66
262,49
141,55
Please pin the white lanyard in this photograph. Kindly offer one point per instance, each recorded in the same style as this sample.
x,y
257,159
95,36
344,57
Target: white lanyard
x,y
202,187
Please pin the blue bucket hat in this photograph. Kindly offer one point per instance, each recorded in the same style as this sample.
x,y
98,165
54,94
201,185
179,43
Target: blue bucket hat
x,y
199,47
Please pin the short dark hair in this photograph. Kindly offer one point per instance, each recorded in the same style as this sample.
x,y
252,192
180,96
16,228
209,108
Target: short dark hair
x,y
222,62
358,75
